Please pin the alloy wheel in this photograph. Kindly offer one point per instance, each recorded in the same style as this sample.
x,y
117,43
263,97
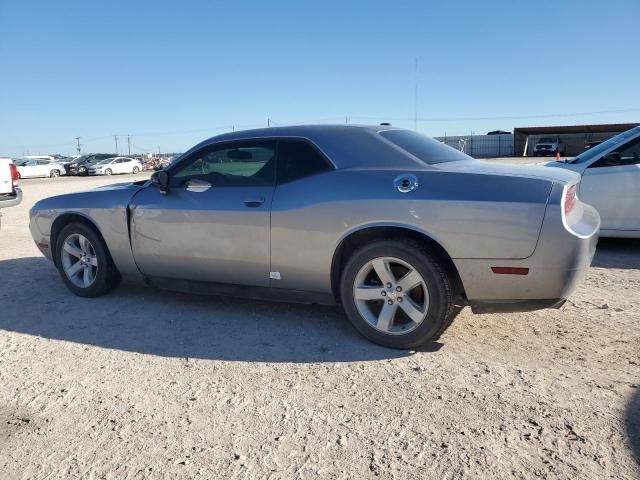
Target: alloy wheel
x,y
391,295
79,260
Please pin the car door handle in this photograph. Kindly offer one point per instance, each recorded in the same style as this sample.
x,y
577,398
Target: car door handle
x,y
254,202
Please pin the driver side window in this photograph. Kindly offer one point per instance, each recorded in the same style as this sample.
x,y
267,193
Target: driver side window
x,y
628,154
233,164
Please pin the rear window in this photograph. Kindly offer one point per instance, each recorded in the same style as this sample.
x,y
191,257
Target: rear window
x,y
423,148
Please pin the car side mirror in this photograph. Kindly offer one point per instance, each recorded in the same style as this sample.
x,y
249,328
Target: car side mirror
x,y
161,179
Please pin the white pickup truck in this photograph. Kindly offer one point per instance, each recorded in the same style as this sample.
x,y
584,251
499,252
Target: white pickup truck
x,y
10,194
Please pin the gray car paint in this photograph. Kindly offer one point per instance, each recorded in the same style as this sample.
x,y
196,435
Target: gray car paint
x,y
614,191
478,212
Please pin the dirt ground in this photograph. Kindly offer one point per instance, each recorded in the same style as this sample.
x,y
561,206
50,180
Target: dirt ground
x,y
146,384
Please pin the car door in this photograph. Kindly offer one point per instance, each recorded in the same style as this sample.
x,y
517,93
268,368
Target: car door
x,y
117,165
213,223
612,185
30,169
44,168
124,166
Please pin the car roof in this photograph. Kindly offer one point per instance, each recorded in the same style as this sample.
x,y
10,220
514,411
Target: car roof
x,y
347,146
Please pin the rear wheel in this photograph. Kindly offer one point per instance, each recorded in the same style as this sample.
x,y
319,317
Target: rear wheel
x,y
84,262
397,294
136,169
54,173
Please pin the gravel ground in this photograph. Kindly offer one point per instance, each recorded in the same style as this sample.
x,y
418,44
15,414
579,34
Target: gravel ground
x,y
145,384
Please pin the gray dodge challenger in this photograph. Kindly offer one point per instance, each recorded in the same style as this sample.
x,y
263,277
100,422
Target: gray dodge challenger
x,y
399,229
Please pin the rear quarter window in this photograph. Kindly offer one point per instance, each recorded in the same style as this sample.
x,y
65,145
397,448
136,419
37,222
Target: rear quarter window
x,y
425,149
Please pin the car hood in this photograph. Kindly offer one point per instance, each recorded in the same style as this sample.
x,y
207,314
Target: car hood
x,y
110,196
530,171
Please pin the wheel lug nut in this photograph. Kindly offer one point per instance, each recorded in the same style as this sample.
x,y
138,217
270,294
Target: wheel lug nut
x,y
399,299
388,285
384,294
398,289
390,302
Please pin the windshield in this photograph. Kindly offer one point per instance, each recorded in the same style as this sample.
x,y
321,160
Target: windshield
x,y
547,140
20,162
425,149
604,146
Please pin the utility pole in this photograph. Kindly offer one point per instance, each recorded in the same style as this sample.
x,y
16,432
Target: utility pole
x,y
268,122
78,144
115,137
129,144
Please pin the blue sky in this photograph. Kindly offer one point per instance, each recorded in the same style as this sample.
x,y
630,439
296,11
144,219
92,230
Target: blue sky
x,y
174,73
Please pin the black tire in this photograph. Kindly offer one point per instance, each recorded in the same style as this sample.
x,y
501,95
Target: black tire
x,y
438,281
108,171
135,170
83,171
107,276
54,173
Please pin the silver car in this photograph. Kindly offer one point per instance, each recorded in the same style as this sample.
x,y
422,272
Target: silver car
x,y
399,229
611,182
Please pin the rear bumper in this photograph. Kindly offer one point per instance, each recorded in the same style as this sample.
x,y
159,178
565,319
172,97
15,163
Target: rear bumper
x,y
11,200
500,306
556,268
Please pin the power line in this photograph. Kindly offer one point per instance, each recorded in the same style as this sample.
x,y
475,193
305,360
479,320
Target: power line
x,y
505,117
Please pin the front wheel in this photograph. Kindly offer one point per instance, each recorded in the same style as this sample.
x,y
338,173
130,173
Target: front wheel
x,y
108,171
136,169
397,294
54,173
84,262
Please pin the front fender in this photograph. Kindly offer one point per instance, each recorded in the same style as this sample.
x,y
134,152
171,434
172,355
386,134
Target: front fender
x,y
104,208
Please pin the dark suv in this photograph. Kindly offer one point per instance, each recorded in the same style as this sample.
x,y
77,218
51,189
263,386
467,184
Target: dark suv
x,y
81,165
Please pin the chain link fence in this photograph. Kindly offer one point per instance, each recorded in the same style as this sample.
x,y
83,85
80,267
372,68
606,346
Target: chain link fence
x,y
481,146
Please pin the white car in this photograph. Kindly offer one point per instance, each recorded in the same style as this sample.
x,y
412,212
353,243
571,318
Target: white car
x,y
549,146
611,182
10,194
115,165
38,167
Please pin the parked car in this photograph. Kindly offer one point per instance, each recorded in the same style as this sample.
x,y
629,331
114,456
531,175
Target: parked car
x,y
155,164
81,165
589,145
611,182
10,193
549,146
41,167
399,229
115,165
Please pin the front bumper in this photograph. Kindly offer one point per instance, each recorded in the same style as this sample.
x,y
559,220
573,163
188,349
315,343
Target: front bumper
x,y
545,152
558,265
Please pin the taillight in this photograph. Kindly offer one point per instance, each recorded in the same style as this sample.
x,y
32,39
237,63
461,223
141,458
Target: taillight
x,y
14,174
569,199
